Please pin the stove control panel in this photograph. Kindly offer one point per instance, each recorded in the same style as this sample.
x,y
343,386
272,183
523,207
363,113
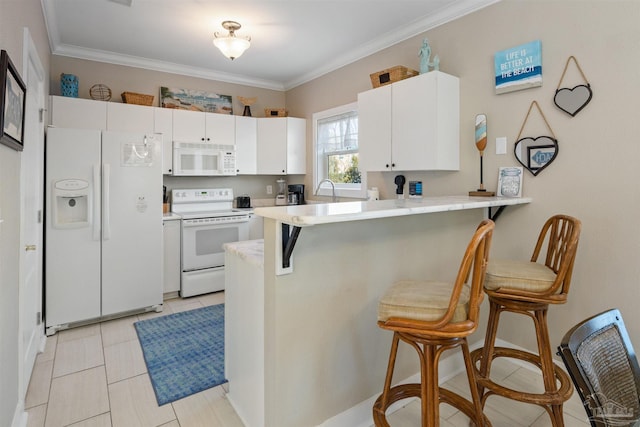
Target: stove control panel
x,y
214,220
202,195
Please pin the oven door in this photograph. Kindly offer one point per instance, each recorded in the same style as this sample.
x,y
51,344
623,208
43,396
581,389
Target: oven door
x,y
202,244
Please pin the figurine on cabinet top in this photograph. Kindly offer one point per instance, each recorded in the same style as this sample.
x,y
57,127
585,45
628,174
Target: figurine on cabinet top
x,y
425,58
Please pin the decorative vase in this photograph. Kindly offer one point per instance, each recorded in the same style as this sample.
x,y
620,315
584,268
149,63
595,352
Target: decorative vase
x,y
69,85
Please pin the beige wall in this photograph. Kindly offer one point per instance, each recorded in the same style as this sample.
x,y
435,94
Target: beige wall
x,y
14,16
595,173
120,79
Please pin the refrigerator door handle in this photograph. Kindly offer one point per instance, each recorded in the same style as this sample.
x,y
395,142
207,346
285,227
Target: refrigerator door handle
x,y
105,213
95,209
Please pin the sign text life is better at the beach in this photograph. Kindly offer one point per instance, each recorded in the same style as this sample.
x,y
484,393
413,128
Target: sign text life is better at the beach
x,y
519,67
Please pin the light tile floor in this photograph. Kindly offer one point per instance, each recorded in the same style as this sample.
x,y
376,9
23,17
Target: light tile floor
x,y
95,376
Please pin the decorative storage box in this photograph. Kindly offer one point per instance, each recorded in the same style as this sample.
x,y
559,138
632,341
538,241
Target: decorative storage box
x,y
392,75
275,112
137,98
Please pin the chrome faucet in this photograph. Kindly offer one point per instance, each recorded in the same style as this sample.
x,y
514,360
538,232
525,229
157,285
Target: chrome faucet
x,y
333,189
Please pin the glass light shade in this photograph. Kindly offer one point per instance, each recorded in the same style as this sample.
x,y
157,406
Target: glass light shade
x,y
231,47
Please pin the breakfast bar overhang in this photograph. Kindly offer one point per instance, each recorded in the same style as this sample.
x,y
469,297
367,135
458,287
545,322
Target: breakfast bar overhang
x,y
293,218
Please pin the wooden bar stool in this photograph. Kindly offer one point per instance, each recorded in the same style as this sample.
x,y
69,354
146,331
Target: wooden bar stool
x,y
528,287
439,316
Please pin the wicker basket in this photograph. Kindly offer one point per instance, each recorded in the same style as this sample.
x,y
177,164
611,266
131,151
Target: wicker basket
x,y
137,98
391,75
275,112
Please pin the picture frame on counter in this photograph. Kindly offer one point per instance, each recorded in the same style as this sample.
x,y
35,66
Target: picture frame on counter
x,y
12,104
510,181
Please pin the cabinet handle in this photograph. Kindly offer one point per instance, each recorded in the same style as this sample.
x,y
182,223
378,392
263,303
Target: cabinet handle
x,y
208,139
202,139
393,165
387,165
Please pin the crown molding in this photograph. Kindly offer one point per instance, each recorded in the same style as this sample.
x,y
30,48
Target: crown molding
x,y
447,14
166,67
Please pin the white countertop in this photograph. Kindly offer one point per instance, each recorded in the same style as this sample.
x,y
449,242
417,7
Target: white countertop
x,y
251,251
326,213
170,216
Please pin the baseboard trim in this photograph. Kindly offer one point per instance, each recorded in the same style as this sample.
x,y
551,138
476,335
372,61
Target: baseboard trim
x,y
20,416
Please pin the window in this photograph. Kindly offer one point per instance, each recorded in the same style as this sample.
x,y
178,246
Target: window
x,y
335,135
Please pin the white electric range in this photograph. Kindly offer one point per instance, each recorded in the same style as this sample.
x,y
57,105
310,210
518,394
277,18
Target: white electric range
x,y
208,222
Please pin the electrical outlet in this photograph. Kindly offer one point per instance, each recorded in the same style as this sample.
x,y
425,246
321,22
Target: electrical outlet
x,y
269,189
501,145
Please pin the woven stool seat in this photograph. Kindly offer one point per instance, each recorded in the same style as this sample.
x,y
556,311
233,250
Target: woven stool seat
x,y
432,317
528,287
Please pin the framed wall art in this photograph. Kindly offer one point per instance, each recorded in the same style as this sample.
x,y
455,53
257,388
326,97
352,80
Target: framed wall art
x,y
519,67
12,104
195,100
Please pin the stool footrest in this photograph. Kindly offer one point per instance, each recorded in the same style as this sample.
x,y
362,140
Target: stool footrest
x,y
557,397
405,391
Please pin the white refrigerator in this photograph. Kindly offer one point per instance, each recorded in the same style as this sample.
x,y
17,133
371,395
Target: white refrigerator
x,y
103,234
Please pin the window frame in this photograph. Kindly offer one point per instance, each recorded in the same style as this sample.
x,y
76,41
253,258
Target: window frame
x,y
342,190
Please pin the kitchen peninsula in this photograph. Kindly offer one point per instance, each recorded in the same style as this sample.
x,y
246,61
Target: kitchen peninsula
x,y
306,349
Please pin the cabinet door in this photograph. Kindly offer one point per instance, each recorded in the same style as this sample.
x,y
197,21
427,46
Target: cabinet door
x,y
256,227
78,113
425,123
163,123
188,126
296,146
374,129
220,128
272,146
171,268
246,145
129,117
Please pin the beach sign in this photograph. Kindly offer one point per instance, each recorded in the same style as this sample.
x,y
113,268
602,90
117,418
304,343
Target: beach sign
x,y
519,67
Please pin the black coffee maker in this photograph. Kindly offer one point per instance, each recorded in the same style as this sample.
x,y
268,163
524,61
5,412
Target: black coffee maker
x,y
296,194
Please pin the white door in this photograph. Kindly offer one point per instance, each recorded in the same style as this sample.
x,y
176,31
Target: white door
x,y
31,177
132,222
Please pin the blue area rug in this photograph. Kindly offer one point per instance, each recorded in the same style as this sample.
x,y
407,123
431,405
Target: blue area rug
x,y
184,352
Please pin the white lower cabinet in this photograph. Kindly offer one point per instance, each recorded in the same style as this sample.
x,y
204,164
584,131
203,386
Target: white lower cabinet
x,y
171,241
256,227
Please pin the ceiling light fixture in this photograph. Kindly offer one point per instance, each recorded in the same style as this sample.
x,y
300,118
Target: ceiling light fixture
x,y
230,45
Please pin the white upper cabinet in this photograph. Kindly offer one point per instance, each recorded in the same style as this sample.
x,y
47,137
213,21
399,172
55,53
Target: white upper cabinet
x,y
195,126
78,113
189,126
374,129
246,145
281,146
220,128
129,117
411,125
163,123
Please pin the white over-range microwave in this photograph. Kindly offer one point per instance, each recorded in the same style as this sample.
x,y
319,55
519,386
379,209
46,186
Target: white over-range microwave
x,y
203,159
